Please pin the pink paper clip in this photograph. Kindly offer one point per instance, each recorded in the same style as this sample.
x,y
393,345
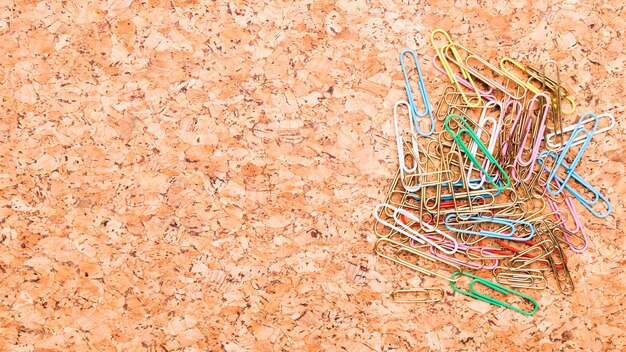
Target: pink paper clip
x,y
468,263
535,148
561,220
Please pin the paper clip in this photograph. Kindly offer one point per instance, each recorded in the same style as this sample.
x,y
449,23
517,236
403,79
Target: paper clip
x,y
413,218
493,139
536,253
402,155
587,203
521,278
489,252
451,74
557,110
581,139
409,232
467,261
461,80
406,250
516,64
570,170
507,223
556,87
414,297
457,138
538,136
503,87
411,99
496,287
561,219
540,77
558,262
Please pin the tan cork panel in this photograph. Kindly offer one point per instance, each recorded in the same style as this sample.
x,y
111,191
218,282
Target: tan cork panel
x,y
185,175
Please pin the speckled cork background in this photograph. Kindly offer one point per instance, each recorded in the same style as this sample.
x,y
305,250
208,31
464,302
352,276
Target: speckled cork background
x,y
190,176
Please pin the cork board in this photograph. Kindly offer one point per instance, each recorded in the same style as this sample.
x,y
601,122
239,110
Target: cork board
x,y
185,175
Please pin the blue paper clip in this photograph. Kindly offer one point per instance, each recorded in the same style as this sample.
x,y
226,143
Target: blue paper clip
x,y
501,221
409,95
577,129
585,202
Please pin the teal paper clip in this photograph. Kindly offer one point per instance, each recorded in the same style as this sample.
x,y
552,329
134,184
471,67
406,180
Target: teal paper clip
x,y
497,287
468,130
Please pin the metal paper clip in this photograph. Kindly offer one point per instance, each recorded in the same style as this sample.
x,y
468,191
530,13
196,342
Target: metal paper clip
x,y
449,71
519,66
526,278
515,93
401,255
466,84
561,219
402,155
560,92
408,231
418,295
559,266
540,77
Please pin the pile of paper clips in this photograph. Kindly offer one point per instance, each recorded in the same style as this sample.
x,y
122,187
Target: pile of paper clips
x,y
487,182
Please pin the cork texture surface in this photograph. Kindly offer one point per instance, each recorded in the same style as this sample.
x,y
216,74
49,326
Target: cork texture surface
x,y
183,175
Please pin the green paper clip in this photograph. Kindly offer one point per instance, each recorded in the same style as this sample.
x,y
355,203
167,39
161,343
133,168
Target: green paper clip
x,y
488,155
504,290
